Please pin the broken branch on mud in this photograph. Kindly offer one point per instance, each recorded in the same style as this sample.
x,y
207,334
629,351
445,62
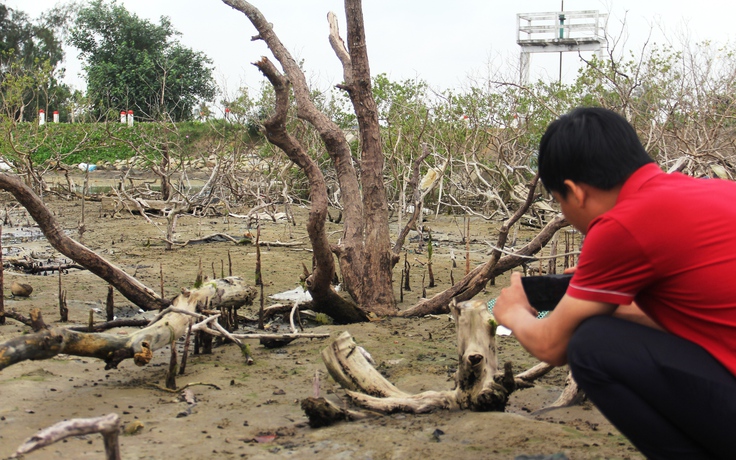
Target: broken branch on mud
x,y
139,345
108,426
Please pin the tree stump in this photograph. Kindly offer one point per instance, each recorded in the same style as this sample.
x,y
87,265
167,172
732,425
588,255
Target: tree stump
x,y
479,384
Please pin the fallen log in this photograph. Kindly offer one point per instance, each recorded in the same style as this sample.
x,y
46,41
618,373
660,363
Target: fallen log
x,y
479,384
245,240
139,345
108,426
32,266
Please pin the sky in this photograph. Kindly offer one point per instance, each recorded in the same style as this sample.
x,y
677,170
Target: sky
x,y
448,44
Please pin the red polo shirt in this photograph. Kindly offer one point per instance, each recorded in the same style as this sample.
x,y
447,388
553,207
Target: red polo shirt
x,y
669,243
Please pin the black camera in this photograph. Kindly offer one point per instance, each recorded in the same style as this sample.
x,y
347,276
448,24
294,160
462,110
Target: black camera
x,y
545,292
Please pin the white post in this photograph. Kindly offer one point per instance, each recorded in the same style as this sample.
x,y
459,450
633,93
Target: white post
x,y
130,118
524,68
123,116
41,117
56,116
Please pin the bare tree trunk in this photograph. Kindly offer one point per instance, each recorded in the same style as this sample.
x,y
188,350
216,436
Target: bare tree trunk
x,y
128,286
364,252
376,242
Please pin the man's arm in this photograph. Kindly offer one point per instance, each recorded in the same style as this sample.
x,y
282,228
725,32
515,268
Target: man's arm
x,y
633,313
545,338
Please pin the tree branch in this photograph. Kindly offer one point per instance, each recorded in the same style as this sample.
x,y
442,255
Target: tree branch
x,y
129,287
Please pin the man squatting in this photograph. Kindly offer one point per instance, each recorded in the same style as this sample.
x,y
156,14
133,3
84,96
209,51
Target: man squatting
x,y
648,323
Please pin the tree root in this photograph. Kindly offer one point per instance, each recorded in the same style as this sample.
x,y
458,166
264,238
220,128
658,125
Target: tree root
x,y
479,384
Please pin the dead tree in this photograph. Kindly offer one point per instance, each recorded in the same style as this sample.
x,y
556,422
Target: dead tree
x,y
129,287
479,383
364,252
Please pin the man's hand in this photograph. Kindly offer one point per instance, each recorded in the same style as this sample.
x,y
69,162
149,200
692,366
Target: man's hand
x,y
545,338
512,302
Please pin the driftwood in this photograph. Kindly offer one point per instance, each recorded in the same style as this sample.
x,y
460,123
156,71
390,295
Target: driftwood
x,y
139,345
480,386
108,426
479,383
34,266
34,321
224,238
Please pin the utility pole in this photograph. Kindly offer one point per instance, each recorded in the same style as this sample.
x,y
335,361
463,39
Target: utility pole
x,y
562,35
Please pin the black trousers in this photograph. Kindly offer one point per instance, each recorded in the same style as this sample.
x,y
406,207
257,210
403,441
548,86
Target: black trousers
x,y
669,396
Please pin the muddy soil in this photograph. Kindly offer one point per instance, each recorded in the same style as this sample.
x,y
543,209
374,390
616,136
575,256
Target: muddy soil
x,y
255,410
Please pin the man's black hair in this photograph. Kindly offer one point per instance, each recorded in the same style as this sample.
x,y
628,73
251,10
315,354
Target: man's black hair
x,y
590,145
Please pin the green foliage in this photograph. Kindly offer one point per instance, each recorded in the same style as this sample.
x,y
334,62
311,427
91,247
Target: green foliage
x,y
132,63
494,326
245,350
30,52
73,143
31,41
321,318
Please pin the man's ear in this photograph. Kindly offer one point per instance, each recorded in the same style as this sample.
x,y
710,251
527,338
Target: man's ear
x,y
578,192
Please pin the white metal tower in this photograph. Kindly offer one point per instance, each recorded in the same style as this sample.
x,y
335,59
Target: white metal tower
x,y
559,32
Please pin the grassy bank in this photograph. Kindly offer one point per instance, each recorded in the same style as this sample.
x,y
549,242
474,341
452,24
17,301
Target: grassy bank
x,y
95,142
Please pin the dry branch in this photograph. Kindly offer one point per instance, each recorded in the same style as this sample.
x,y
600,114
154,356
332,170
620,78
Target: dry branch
x,y
140,345
570,396
477,279
108,426
326,300
417,201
